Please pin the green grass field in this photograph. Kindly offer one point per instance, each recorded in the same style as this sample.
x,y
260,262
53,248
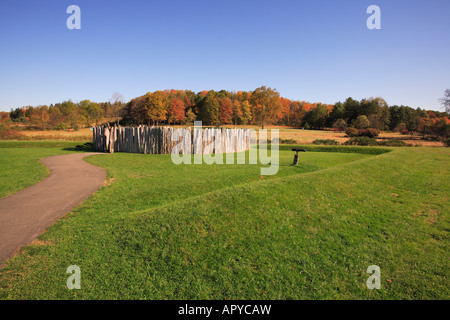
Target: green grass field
x,y
19,162
161,231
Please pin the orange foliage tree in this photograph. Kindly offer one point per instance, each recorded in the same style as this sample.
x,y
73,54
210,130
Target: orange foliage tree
x,y
176,112
225,110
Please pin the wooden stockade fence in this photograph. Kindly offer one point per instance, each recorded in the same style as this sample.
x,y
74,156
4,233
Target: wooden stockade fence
x,y
158,140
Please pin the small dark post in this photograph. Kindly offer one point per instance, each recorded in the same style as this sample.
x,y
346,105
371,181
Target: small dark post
x,y
296,155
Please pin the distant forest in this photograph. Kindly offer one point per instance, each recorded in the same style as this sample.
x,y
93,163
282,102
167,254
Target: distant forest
x,y
263,106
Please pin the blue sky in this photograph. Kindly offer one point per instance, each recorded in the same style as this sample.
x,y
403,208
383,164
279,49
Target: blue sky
x,y
318,51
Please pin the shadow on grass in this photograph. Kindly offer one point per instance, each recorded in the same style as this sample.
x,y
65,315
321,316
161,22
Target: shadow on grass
x,y
86,147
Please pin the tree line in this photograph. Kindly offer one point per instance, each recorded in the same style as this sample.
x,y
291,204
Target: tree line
x,y
262,106
69,114
265,106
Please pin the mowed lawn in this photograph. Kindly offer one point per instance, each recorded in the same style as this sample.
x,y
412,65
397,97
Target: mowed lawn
x,y
19,162
161,231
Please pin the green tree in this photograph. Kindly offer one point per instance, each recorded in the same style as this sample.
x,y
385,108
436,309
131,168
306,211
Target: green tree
x,y
91,111
384,118
190,117
317,117
67,108
208,109
17,115
371,106
340,124
351,109
336,113
395,117
362,122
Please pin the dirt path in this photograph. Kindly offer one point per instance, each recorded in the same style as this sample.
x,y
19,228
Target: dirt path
x,y
27,213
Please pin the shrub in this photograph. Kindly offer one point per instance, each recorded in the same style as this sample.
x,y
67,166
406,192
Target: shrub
x,y
62,126
404,131
370,132
394,143
328,142
340,124
288,141
447,142
361,141
343,149
7,133
351,132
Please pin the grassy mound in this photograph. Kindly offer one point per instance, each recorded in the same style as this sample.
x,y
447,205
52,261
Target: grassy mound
x,y
160,231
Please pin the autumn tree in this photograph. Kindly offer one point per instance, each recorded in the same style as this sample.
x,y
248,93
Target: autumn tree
x,y
55,116
4,116
246,115
176,111
296,114
38,116
190,117
237,112
262,106
285,110
156,106
267,105
225,110
190,99
135,111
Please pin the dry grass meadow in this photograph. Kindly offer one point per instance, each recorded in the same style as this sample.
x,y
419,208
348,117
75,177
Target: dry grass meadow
x,y
301,136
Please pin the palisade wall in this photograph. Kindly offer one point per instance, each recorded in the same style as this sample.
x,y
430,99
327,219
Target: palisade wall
x,y
158,140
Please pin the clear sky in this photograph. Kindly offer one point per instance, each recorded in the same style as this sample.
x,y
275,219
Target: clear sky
x,y
313,50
